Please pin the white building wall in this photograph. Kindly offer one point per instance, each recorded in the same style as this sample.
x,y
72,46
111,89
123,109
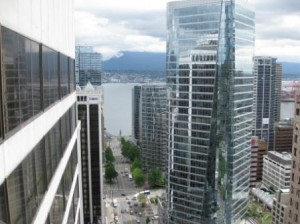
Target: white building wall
x,y
46,21
14,150
275,174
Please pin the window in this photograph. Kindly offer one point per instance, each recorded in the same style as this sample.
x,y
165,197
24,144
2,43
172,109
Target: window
x,y
295,138
297,111
50,76
21,79
64,75
3,205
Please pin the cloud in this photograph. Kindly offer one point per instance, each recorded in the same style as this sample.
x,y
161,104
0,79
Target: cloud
x,y
110,38
139,25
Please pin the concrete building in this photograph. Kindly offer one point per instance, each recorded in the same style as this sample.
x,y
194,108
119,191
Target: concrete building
x,y
40,177
284,136
89,104
258,150
136,95
293,214
210,87
153,126
266,100
277,170
280,205
88,66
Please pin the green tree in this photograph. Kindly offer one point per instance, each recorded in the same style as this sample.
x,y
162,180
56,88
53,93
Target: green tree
x,y
148,220
125,149
110,172
138,176
122,141
130,151
155,177
109,156
137,163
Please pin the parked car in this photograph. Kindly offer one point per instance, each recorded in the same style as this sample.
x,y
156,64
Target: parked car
x,y
155,217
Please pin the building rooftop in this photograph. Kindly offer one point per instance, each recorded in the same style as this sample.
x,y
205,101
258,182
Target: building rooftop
x,y
280,157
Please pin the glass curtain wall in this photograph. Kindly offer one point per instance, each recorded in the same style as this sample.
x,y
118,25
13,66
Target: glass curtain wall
x,y
209,78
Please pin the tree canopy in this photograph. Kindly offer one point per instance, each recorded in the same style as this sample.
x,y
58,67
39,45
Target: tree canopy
x,y
109,156
156,177
137,163
110,172
129,150
138,176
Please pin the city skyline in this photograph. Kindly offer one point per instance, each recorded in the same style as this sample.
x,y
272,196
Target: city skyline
x,y
114,26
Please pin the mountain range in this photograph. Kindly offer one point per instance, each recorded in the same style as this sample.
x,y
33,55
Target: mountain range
x,y
149,61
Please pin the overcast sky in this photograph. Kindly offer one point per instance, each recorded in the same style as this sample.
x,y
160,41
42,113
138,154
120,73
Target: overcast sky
x,y
112,26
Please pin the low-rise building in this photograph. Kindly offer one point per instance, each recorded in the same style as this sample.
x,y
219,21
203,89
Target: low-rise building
x,y
277,170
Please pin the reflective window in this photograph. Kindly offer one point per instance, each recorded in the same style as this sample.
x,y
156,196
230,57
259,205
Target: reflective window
x,y
58,206
64,75
72,74
53,150
3,205
21,78
50,76
16,199
40,167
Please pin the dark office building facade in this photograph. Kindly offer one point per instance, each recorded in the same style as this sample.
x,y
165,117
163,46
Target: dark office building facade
x,y
89,113
136,95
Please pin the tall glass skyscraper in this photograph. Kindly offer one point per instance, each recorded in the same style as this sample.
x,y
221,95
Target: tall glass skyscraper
x,y
210,84
267,94
88,66
153,140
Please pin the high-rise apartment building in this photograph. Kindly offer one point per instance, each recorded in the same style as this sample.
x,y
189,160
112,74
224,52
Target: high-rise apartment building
x,y
267,95
278,82
293,214
88,66
153,126
277,170
39,171
210,86
136,95
89,104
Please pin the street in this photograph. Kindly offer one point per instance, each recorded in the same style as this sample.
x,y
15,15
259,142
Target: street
x,y
128,210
